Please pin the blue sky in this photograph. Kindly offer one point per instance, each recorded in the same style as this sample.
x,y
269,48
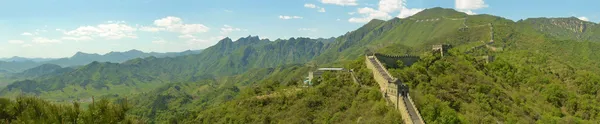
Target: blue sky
x,y
59,28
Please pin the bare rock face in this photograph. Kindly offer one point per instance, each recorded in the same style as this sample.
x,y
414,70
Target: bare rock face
x,y
575,25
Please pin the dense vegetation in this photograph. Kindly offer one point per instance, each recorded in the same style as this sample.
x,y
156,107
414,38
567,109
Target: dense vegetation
x,y
333,99
138,75
31,110
543,71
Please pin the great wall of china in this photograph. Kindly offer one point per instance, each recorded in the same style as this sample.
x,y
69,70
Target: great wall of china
x,y
394,91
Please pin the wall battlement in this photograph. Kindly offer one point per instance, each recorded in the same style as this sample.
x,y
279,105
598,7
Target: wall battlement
x,y
394,90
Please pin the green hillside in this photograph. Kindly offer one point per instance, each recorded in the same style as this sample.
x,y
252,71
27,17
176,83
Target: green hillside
x,y
542,71
137,75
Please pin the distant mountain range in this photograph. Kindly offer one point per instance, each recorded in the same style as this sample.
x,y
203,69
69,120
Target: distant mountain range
x,y
19,64
542,68
21,59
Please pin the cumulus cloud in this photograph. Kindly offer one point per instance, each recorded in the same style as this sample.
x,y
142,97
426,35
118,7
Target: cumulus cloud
x,y
228,29
16,41
151,29
289,17
369,14
111,31
340,2
583,18
386,7
175,24
405,12
310,5
81,38
43,40
468,6
313,6
26,34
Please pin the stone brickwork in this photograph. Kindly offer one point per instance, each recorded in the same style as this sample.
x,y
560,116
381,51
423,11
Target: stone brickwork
x,y
394,91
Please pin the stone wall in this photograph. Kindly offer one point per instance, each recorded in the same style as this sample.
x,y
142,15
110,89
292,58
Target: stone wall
x,y
392,90
391,60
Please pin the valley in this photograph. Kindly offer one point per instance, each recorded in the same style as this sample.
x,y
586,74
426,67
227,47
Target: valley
x,y
436,66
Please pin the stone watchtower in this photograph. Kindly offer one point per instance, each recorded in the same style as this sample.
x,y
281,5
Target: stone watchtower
x,y
442,48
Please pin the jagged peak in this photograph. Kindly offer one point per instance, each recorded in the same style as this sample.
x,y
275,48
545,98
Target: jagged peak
x,y
226,40
249,38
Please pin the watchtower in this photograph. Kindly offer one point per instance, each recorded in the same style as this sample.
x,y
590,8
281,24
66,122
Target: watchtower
x,y
442,48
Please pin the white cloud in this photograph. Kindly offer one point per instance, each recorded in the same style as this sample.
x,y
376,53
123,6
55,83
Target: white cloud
x,y
26,34
58,29
322,10
81,38
404,13
112,31
168,21
43,40
289,17
151,29
313,6
468,5
369,14
308,29
386,7
175,24
389,6
340,2
310,5
16,41
583,18
228,29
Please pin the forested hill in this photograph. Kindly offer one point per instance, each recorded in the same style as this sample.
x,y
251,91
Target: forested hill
x,y
497,71
564,28
223,59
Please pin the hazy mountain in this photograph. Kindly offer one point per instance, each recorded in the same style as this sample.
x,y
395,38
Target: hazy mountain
x,y
21,59
542,73
43,70
81,58
225,58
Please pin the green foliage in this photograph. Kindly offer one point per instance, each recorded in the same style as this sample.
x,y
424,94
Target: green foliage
x,y
35,110
335,100
544,72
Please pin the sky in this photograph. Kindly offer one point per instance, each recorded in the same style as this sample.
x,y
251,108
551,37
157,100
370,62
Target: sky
x,y
60,28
